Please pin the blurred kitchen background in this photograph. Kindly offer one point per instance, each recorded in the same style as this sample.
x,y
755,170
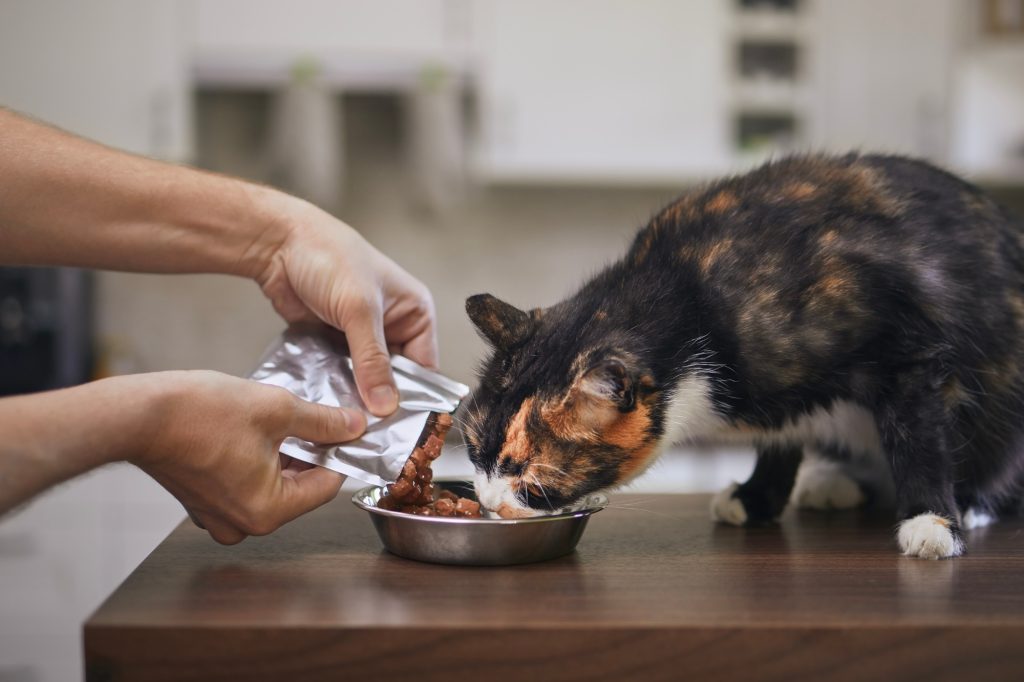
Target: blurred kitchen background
x,y
509,147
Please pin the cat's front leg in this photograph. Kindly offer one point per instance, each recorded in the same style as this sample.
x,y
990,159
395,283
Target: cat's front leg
x,y
763,497
912,421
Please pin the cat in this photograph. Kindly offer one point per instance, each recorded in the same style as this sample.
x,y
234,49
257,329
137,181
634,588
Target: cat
x,y
866,307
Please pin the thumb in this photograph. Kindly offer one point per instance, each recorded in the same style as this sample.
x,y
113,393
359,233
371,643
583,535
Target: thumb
x,y
372,363
324,424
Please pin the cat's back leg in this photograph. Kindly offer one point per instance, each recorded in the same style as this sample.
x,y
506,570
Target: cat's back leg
x,y
837,477
978,514
825,482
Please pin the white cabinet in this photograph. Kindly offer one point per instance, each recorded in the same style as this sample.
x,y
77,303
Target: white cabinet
x,y
883,74
111,70
602,89
988,130
619,90
319,27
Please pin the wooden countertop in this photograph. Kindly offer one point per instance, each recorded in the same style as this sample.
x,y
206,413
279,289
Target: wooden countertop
x,y
655,591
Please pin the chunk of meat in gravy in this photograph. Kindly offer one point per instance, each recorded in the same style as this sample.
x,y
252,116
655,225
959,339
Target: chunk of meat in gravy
x,y
414,491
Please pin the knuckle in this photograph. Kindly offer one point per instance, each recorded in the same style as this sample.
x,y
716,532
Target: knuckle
x,y
372,357
362,304
277,406
425,306
279,398
323,421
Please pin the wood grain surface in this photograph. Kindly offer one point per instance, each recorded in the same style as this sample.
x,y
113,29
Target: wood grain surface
x,y
655,591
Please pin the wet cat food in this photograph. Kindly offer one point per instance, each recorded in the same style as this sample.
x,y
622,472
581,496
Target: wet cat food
x,y
414,492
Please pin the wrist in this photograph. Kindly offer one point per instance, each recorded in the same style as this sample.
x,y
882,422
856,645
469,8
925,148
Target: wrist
x,y
126,412
279,217
222,225
157,398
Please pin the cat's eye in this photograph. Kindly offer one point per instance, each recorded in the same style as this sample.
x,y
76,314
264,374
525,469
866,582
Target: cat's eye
x,y
504,377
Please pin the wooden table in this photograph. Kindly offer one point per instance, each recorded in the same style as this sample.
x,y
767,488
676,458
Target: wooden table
x,y
654,592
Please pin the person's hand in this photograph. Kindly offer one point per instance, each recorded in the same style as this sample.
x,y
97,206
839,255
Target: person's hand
x,y
212,441
325,270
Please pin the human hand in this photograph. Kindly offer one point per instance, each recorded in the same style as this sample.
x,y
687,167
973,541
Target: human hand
x,y
213,443
323,269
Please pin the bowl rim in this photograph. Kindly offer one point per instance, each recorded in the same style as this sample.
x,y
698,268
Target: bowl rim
x,y
600,498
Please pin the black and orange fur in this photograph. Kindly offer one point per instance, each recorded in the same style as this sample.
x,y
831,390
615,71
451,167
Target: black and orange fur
x,y
878,280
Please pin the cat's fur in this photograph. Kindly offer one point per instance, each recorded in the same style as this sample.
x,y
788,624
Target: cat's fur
x,y
859,305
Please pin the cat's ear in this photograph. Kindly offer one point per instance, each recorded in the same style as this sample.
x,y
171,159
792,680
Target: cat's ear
x,y
502,324
611,383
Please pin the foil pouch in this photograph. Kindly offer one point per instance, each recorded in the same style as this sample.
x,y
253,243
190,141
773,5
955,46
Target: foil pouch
x,y
313,363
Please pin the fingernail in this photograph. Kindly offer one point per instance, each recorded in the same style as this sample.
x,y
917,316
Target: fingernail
x,y
383,398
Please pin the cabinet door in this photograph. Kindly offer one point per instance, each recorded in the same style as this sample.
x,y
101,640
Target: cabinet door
x,y
602,89
111,70
884,69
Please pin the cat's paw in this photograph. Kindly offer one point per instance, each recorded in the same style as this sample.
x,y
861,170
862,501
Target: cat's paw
x,y
728,509
929,536
824,485
977,518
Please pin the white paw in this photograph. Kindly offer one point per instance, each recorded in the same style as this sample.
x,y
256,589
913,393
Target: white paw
x,y
928,536
727,509
824,485
977,518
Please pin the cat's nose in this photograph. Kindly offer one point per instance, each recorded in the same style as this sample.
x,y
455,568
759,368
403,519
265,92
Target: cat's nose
x,y
496,492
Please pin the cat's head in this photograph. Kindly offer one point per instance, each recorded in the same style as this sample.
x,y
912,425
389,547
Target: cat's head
x,y
564,407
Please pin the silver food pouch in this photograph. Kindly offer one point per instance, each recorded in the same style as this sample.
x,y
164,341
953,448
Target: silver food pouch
x,y
313,363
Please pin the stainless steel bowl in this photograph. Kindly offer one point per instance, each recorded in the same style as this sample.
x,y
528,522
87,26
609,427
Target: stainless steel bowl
x,y
477,542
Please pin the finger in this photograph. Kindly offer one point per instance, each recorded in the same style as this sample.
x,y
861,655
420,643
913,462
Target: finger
x,y
423,349
307,490
296,467
290,464
324,424
220,530
371,362
195,519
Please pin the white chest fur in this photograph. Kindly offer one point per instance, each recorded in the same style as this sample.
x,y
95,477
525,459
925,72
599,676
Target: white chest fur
x,y
692,417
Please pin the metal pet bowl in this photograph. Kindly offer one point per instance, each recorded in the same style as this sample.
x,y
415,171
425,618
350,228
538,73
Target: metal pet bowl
x,y
477,542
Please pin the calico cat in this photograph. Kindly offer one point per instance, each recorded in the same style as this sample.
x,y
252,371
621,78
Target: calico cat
x,y
864,306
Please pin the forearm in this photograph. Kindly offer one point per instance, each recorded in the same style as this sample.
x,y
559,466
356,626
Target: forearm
x,y
67,201
47,438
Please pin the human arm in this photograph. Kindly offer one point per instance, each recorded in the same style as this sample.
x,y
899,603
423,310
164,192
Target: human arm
x,y
67,201
210,439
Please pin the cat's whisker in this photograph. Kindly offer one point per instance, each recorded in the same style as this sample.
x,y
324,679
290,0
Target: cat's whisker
x,y
558,471
639,509
543,492
460,422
